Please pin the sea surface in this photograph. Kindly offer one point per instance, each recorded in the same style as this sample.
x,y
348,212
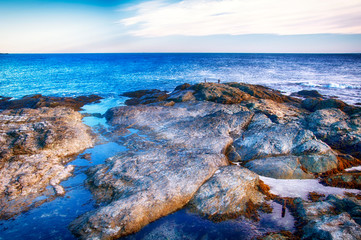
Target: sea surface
x,y
110,75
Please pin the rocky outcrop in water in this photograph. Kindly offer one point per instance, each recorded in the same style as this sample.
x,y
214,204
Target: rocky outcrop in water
x,y
179,145
35,146
176,150
38,101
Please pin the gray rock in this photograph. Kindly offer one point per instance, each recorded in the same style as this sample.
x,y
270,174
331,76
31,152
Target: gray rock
x,y
299,147
180,148
337,129
282,167
226,193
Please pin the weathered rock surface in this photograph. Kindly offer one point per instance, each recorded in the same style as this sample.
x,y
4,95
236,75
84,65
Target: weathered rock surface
x,y
176,150
227,192
341,226
286,167
337,129
177,142
337,217
227,93
314,104
288,146
38,101
35,145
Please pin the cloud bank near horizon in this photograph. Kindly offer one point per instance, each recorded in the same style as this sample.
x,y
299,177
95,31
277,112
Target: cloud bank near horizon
x,y
160,18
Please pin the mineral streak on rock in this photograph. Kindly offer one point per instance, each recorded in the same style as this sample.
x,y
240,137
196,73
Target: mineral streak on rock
x,y
35,145
181,139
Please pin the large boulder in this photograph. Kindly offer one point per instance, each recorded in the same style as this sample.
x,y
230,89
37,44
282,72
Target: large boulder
x,y
309,94
227,193
35,145
337,129
289,148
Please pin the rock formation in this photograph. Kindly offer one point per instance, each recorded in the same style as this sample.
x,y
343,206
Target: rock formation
x,y
35,146
179,145
38,101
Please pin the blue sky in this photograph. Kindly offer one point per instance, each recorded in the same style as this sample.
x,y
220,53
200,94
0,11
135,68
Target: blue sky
x,y
61,26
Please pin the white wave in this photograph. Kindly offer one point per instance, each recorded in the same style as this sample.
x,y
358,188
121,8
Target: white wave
x,y
341,86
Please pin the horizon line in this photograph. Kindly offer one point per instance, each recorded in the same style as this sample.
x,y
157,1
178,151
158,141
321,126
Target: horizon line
x,y
8,53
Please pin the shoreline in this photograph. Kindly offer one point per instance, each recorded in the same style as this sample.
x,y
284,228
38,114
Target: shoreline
x,y
279,110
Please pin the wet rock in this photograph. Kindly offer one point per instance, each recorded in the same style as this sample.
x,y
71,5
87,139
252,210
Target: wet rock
x,y
175,150
309,94
226,193
145,97
283,235
86,156
35,145
39,101
177,144
4,99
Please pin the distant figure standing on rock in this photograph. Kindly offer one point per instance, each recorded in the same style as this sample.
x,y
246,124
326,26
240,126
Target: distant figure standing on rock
x,y
219,80
205,80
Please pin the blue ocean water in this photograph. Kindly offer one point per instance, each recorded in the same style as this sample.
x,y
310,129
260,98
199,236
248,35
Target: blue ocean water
x,y
112,74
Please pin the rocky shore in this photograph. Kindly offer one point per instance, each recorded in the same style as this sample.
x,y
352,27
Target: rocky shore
x,y
195,148
38,136
202,148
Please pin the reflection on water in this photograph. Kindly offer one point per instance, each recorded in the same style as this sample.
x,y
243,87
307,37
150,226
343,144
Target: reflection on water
x,y
51,219
185,225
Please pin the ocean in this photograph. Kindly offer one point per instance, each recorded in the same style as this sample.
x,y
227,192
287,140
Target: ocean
x,y
110,75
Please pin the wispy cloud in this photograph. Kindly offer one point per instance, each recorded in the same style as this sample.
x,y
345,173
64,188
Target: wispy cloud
x,y
236,17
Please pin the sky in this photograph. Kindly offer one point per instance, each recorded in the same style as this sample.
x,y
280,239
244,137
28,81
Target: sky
x,y
246,26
